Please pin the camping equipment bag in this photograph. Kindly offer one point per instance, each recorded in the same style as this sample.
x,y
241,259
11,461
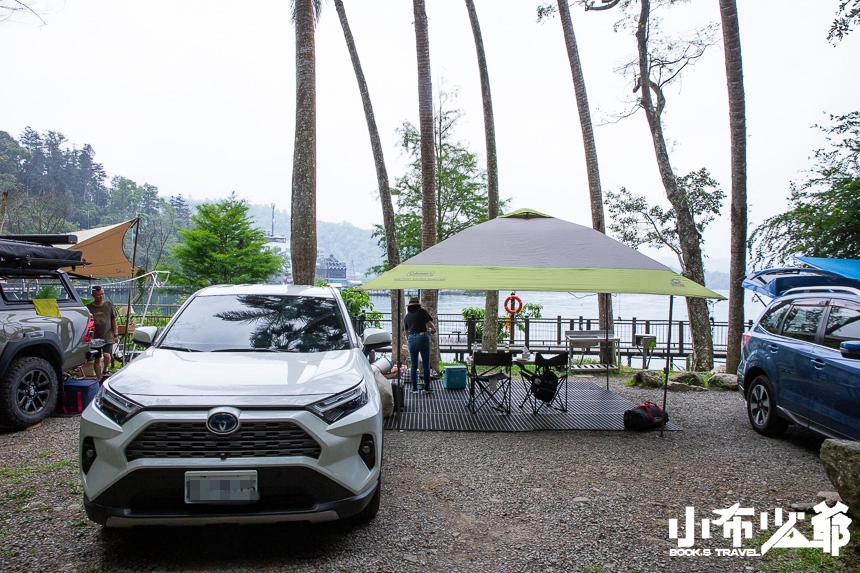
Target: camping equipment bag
x,y
77,394
545,386
645,416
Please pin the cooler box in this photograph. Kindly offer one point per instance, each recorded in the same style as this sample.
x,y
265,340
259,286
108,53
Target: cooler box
x,y
454,377
77,394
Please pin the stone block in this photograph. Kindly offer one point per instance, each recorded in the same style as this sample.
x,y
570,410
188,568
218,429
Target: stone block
x,y
841,460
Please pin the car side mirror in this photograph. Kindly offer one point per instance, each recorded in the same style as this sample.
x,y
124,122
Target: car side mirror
x,y
850,349
375,338
144,335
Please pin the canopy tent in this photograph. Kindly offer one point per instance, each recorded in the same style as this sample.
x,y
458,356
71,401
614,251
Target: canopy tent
x,y
102,248
528,250
848,268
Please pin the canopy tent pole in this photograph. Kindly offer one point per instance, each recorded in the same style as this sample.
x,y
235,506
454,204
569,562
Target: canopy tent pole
x,y
668,364
606,335
130,284
399,332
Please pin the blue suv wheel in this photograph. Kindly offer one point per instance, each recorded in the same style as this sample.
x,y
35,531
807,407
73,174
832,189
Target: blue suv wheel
x,y
761,408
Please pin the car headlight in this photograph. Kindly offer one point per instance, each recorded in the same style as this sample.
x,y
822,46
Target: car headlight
x,y
116,407
336,407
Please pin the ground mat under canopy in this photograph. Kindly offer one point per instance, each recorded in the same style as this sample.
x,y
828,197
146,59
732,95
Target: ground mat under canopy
x,y
590,407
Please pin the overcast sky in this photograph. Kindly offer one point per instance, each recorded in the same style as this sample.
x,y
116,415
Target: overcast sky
x,y
197,97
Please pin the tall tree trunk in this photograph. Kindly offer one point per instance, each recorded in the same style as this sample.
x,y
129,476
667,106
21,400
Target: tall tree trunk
x,y
490,340
688,236
391,247
429,298
303,216
738,128
4,202
604,301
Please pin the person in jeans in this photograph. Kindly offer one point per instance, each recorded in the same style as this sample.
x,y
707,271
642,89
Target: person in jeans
x,y
418,324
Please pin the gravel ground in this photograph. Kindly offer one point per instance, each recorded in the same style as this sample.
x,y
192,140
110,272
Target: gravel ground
x,y
538,501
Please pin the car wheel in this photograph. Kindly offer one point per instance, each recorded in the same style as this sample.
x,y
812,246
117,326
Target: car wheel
x,y
28,392
368,513
761,408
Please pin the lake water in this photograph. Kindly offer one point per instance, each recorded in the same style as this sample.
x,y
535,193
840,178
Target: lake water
x,y
574,305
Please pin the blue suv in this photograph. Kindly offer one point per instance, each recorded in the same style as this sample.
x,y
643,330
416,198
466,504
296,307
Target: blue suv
x,y
800,363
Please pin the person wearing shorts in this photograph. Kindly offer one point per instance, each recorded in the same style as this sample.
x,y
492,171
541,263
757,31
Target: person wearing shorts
x,y
104,315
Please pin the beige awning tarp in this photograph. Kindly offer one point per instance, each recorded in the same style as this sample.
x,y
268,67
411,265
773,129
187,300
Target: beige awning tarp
x,y
102,248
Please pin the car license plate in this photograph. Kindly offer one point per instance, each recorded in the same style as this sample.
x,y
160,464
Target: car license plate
x,y
234,486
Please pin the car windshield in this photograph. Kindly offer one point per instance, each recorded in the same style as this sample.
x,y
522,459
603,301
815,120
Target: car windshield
x,y
256,322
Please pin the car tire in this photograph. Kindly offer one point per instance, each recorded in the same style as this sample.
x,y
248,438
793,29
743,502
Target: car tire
x,y
28,392
761,408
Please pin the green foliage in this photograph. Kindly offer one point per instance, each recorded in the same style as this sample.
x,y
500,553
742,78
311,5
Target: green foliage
x,y
48,291
530,310
358,302
635,223
54,189
461,187
223,247
818,224
846,16
478,314
546,12
823,219
48,182
158,219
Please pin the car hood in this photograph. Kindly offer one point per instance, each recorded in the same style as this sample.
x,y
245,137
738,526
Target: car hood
x,y
251,378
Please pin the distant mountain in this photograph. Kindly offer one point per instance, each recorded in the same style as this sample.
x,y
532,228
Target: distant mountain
x,y
349,244
716,271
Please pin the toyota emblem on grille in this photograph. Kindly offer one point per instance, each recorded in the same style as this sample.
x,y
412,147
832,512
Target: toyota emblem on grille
x,y
222,422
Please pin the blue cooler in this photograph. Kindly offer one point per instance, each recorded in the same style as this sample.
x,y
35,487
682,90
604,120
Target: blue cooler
x,y
454,377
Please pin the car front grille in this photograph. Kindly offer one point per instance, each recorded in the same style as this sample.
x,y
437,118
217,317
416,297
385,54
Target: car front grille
x,y
194,440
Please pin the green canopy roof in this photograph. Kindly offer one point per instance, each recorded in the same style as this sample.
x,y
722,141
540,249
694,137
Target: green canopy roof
x,y
530,251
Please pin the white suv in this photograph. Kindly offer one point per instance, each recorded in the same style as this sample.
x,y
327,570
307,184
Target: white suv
x,y
256,403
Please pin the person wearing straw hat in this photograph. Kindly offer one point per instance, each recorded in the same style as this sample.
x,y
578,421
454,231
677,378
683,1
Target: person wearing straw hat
x,y
418,324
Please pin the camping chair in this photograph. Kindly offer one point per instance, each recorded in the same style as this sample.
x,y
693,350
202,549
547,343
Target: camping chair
x,y
490,381
544,384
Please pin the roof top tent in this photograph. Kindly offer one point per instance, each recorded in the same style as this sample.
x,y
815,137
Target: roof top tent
x,y
20,252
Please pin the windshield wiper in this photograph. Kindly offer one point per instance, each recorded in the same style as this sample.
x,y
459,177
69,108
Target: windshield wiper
x,y
246,349
179,348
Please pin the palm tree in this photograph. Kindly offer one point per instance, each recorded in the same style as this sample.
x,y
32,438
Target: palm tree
x,y
597,219
738,130
392,249
429,298
303,216
491,309
688,237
